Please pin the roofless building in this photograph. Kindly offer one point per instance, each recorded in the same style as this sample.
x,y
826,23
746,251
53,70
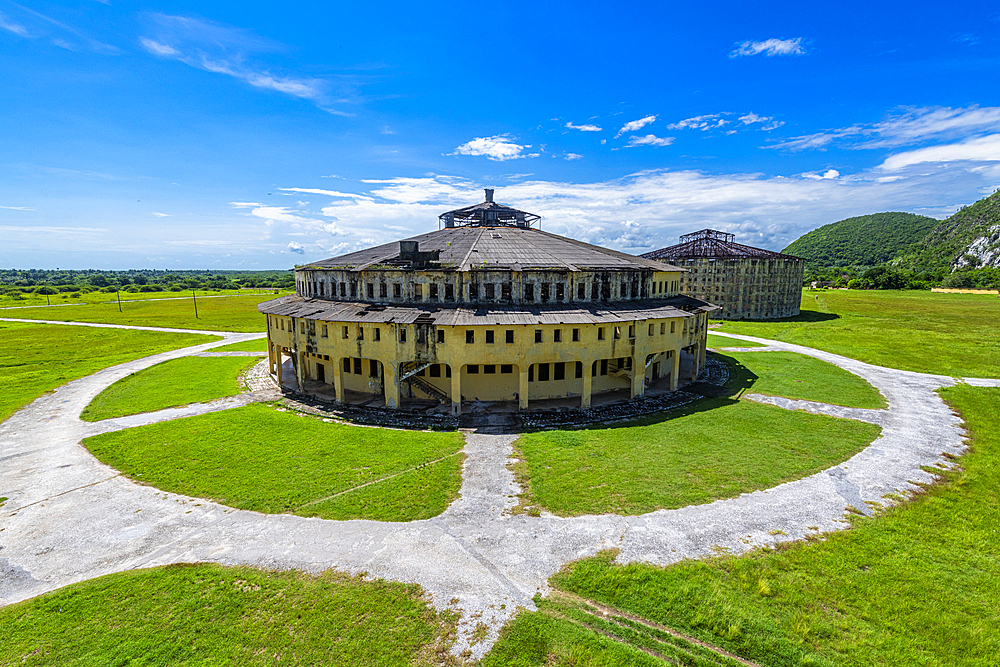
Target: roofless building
x,y
746,283
487,308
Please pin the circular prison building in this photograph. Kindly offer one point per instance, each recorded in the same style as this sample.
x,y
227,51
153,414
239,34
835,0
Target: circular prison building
x,y
487,308
746,283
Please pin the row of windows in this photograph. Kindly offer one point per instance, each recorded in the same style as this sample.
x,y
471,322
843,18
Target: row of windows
x,y
470,334
488,291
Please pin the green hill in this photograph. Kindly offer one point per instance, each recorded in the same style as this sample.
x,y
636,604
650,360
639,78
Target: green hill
x,y
866,240
969,239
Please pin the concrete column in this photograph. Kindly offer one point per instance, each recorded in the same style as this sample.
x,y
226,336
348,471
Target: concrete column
x,y
702,349
279,352
270,357
694,362
338,378
390,381
675,368
456,390
300,369
522,388
588,380
638,376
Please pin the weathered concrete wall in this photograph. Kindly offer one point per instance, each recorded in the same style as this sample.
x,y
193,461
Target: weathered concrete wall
x,y
485,286
746,289
638,344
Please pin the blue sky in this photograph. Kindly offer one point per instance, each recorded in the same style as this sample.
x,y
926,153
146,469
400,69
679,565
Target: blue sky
x,y
258,136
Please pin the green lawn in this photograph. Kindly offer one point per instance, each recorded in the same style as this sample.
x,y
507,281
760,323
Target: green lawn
x,y
169,384
798,376
716,342
718,449
258,458
36,358
211,615
231,313
255,345
915,586
947,334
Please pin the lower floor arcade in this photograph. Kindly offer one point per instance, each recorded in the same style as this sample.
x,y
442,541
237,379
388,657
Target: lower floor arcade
x,y
582,383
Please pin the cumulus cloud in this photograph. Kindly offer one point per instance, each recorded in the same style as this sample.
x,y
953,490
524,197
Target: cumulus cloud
x,y
500,147
583,128
296,248
573,156
635,125
827,175
769,47
904,126
650,140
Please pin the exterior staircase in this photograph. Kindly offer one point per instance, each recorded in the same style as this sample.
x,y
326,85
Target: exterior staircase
x,y
426,387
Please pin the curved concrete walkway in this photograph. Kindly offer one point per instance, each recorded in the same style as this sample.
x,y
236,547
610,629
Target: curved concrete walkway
x,y
70,517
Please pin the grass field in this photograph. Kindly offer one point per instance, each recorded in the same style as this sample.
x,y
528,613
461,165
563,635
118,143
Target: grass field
x,y
798,376
716,342
258,458
211,615
169,384
64,298
36,358
916,586
946,334
255,345
230,313
717,448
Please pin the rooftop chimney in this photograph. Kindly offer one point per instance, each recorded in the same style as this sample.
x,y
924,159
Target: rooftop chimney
x,y
489,195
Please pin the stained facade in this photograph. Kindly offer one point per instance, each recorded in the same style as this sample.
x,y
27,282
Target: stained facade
x,y
746,283
487,308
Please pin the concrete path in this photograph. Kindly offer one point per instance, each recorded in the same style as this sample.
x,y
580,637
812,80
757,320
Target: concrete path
x,y
71,518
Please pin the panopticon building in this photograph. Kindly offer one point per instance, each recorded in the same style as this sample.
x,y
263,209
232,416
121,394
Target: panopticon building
x,y
487,308
746,283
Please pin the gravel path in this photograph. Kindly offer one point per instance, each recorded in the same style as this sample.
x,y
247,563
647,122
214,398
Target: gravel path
x,y
71,518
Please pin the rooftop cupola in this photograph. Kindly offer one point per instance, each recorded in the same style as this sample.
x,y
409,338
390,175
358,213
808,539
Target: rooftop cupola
x,y
488,214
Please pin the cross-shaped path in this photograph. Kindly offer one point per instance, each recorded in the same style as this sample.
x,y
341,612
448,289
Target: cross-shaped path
x,y
69,517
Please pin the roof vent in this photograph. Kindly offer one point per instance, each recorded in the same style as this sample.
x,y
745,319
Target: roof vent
x,y
489,194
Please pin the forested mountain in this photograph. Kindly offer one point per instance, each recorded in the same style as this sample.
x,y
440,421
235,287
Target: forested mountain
x,y
867,240
969,239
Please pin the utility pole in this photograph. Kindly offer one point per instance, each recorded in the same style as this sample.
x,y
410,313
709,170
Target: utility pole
x,y
119,295
195,299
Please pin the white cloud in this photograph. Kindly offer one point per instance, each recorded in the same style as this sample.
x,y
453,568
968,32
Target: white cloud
x,y
770,47
17,208
296,248
827,175
907,125
650,140
573,156
706,122
981,149
161,215
10,26
499,147
583,128
328,193
635,125
158,49
225,49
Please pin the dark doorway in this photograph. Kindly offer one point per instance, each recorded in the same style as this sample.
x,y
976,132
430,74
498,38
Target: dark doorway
x,y
320,373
